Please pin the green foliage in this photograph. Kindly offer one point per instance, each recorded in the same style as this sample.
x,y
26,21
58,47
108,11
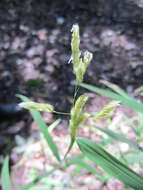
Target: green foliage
x,y
115,88
5,178
110,164
119,137
126,100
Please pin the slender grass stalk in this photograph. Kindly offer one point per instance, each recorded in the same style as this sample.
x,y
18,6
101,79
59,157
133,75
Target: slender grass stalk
x,y
61,113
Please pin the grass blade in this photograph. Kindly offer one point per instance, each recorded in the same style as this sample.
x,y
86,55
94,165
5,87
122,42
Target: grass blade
x,y
110,164
5,178
53,125
130,102
43,128
115,88
119,137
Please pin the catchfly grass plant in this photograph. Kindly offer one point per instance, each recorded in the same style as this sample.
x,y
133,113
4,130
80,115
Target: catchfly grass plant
x,y
88,149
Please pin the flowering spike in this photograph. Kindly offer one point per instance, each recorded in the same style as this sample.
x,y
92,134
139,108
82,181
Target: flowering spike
x,y
76,118
79,64
37,106
106,111
87,58
75,46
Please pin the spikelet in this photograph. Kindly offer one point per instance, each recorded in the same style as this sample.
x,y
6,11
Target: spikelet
x,y
82,118
106,111
76,114
37,106
75,46
139,90
86,59
80,102
76,118
79,64
81,69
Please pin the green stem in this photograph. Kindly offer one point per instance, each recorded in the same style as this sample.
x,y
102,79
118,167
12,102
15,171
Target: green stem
x,y
61,113
70,146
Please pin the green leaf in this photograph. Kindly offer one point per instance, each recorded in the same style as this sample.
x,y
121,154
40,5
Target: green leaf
x,y
128,101
130,121
115,88
43,128
110,164
119,137
5,178
53,125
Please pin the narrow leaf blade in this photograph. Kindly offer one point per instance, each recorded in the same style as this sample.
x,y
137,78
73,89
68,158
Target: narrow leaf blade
x,y
43,128
5,177
119,137
115,88
128,101
110,164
